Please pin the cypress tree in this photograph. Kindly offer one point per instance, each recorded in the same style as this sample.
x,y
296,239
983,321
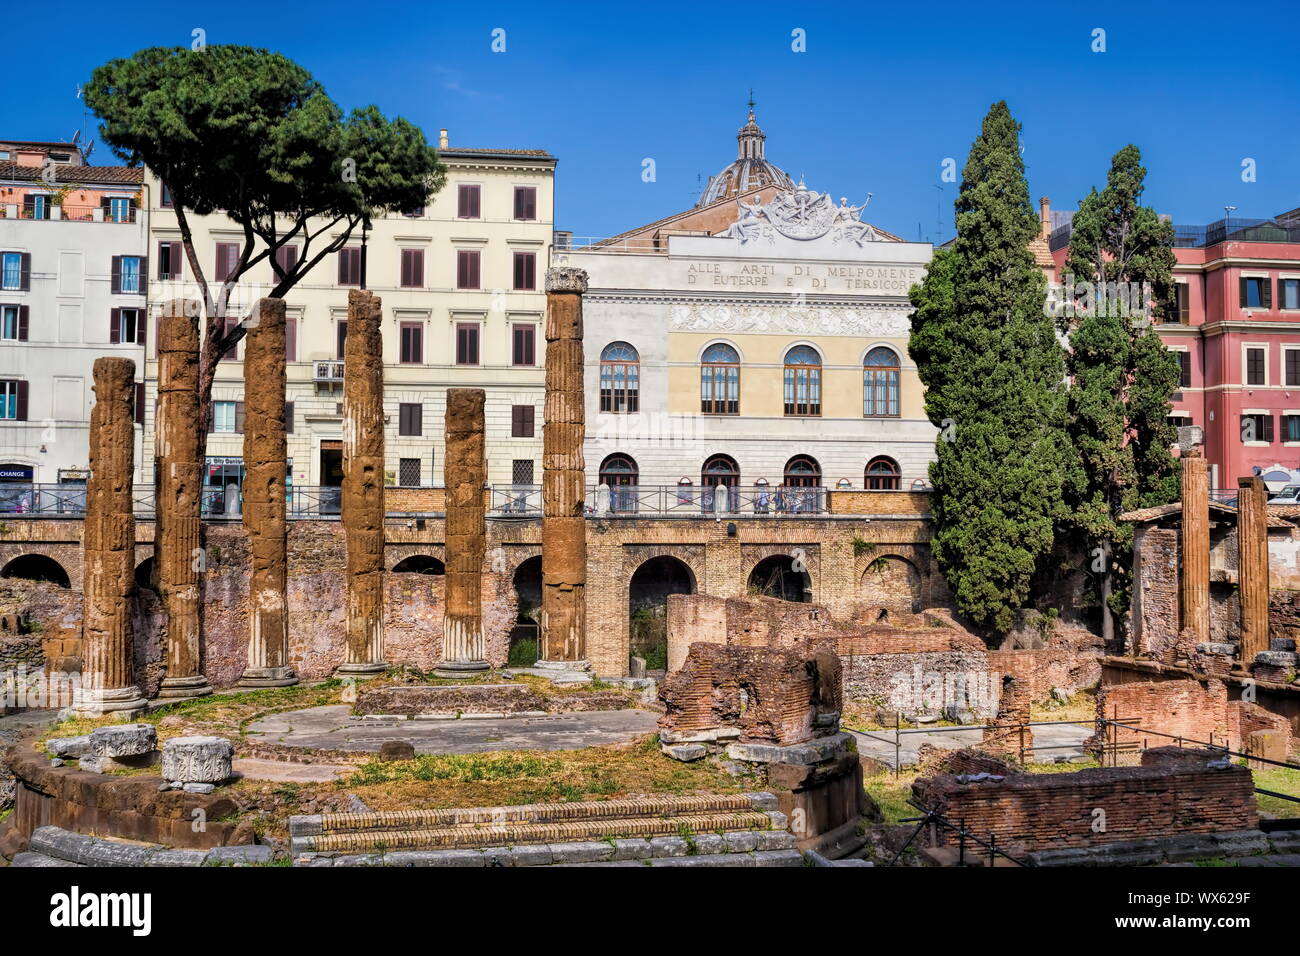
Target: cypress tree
x,y
987,352
1121,373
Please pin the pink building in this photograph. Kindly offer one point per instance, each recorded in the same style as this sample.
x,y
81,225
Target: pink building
x,y
1238,337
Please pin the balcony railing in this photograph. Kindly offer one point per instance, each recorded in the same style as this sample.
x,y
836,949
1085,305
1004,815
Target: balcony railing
x,y
316,502
331,371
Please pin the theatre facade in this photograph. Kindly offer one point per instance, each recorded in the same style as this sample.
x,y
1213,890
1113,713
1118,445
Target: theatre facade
x,y
757,341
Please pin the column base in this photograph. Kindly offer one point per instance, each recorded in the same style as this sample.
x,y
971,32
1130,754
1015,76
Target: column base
x,y
123,701
368,669
565,672
256,677
461,668
178,688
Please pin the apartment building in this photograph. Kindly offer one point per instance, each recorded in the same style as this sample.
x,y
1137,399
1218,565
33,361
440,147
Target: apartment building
x,y
461,283
1237,336
73,262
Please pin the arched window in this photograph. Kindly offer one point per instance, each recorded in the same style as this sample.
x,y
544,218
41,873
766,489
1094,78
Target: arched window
x,y
801,471
720,380
880,384
620,473
803,381
719,470
882,474
620,379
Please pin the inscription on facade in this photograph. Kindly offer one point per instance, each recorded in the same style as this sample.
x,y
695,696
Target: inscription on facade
x,y
886,322
797,277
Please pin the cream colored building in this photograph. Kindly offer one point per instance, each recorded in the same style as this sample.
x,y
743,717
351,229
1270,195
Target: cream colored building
x,y
462,286
758,340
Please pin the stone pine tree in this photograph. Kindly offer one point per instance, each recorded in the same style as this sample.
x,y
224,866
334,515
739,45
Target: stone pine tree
x,y
249,133
994,372
1118,278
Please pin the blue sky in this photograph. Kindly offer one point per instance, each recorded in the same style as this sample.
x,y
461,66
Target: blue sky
x,y
883,94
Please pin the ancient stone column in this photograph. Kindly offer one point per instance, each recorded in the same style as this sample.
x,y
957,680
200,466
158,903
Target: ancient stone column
x,y
465,474
264,500
1196,547
1252,565
564,527
107,672
177,542
363,485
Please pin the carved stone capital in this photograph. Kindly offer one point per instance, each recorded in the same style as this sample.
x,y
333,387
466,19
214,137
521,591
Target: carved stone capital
x,y
566,279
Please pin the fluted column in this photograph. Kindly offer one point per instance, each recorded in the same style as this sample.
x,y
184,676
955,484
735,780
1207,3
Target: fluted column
x,y
564,527
1196,547
363,484
107,674
1252,565
465,474
178,494
265,456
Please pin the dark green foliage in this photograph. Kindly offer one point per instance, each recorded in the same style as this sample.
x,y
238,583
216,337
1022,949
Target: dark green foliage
x,y
994,372
1122,375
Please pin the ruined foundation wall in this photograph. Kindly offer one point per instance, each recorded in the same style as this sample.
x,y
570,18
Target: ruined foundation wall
x,y
564,528
363,481
177,527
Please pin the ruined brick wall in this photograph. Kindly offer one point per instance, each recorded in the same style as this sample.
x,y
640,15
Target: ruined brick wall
x,y
773,696
1181,708
1030,812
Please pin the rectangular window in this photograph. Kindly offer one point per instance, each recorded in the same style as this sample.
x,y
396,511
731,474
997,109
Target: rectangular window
x,y
408,472
117,209
412,345
1255,366
1256,292
1184,369
467,274
227,261
170,255
291,340
1288,291
1291,366
467,201
350,267
466,343
165,200
1258,427
523,345
342,340
15,271
36,206
232,352
525,270
223,417
525,202
288,418
410,419
286,257
128,275
13,323
521,471
522,418
1183,302
13,400
412,268
1291,427
126,325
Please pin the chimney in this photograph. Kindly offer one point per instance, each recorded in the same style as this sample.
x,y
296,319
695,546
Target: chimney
x,y
442,139
1045,217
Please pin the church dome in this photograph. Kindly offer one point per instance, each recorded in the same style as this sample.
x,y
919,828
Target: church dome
x,y
749,171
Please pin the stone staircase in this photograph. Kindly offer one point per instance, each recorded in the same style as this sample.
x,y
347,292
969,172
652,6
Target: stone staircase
x,y
718,830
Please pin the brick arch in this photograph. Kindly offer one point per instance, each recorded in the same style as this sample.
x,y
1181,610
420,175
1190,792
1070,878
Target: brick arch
x,y
751,555
690,555
892,581
35,566
68,556
395,554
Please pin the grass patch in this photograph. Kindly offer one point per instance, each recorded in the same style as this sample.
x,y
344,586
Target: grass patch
x,y
1281,780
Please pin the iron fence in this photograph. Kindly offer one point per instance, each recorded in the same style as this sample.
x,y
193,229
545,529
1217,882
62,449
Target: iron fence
x,y
690,500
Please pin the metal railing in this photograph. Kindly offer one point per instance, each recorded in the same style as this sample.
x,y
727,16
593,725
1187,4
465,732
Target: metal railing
x,y
312,501
706,502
